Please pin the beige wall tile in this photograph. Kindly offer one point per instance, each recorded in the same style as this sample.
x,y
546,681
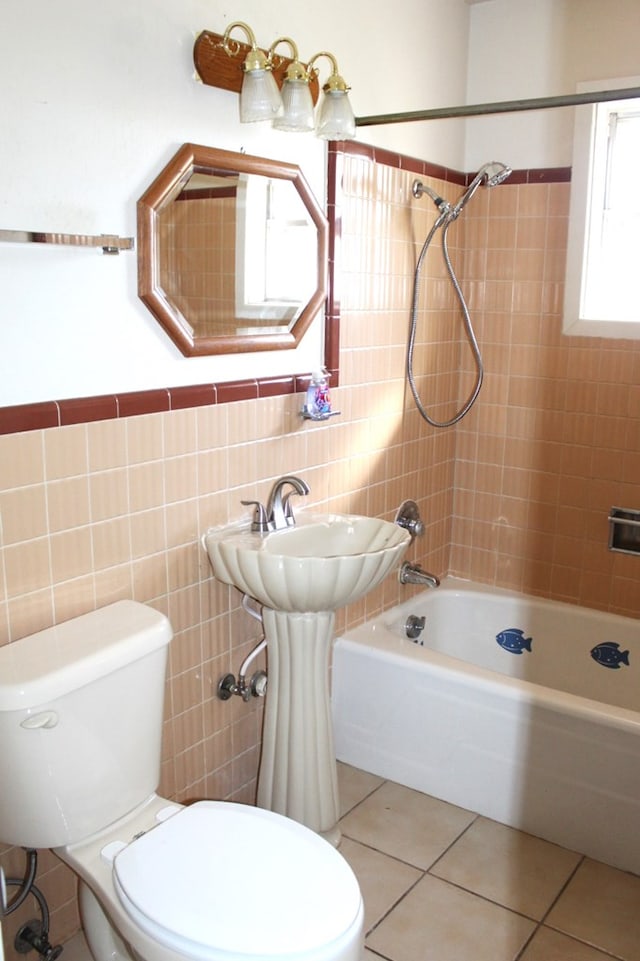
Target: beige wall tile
x,y
66,451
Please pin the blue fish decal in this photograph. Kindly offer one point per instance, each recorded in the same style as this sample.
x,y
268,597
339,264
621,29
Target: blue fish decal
x,y
608,654
514,641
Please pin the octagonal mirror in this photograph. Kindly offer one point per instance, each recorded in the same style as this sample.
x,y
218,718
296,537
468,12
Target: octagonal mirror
x,y
232,252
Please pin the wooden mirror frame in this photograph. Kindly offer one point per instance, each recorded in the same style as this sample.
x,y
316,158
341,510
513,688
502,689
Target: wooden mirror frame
x,y
190,159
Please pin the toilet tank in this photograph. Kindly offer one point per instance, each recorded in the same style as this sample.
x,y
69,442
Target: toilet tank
x,y
81,707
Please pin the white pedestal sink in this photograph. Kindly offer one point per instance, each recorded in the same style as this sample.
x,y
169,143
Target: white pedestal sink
x,y
301,575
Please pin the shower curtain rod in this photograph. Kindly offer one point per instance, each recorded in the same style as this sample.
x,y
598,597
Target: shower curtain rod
x,y
505,106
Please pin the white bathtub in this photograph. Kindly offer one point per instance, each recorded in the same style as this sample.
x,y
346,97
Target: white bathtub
x,y
547,740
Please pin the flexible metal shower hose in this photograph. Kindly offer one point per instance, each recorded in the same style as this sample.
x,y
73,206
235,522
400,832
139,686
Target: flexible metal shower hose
x,y
442,219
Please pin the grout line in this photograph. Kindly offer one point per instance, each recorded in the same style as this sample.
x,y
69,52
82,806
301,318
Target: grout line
x,y
362,799
455,841
395,904
563,889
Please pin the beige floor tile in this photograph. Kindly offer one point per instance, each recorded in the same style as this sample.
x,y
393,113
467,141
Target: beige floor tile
x,y
516,870
354,785
407,825
438,922
547,945
601,905
382,879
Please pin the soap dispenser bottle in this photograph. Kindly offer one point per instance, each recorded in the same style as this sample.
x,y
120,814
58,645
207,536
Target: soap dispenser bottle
x,y
318,402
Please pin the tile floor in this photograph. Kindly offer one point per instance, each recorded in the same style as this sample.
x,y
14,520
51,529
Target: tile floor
x,y
443,884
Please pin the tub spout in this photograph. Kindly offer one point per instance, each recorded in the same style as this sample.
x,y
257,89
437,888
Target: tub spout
x,y
414,574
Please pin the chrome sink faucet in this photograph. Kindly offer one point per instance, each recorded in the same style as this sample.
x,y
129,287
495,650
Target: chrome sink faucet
x,y
279,511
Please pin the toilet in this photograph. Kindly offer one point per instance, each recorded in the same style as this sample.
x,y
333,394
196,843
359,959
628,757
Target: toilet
x,y
81,708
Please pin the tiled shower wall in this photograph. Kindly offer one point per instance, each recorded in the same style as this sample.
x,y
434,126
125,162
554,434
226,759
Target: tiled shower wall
x,y
517,494
554,441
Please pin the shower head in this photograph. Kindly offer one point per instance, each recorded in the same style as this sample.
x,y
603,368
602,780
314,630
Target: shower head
x,y
489,175
495,173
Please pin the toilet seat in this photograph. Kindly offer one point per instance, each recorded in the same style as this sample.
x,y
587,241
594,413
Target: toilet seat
x,y
223,880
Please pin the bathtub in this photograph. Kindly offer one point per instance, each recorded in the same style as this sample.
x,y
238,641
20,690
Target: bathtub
x,y
520,709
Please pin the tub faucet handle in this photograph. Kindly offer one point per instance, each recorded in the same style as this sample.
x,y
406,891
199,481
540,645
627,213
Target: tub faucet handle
x,y
408,516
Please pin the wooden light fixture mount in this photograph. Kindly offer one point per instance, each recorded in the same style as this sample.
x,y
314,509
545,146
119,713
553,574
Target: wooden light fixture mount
x,y
217,69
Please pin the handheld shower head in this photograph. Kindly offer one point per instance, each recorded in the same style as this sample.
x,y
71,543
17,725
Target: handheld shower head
x,y
495,173
489,175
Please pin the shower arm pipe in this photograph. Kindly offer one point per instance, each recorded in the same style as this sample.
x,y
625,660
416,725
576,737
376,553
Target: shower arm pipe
x,y
504,106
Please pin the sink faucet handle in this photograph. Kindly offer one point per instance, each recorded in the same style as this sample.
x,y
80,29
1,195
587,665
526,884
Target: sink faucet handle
x,y
260,521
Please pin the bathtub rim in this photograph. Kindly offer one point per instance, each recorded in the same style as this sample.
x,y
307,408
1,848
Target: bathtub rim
x,y
452,583
383,644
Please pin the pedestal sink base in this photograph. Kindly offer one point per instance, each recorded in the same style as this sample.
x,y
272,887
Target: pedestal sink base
x,y
300,574
298,774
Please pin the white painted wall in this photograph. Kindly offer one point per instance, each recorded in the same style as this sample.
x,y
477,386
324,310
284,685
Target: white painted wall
x,y
519,49
97,98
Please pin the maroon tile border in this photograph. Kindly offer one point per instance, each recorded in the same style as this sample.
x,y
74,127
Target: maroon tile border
x,y
549,175
237,390
427,169
81,410
26,417
23,417
198,395
143,402
276,386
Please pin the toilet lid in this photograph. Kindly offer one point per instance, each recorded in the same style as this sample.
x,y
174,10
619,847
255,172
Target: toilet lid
x,y
220,877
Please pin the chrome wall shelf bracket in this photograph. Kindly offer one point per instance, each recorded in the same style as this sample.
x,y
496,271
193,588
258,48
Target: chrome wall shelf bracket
x,y
110,243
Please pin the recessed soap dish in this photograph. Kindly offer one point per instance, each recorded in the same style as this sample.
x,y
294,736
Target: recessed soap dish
x,y
624,530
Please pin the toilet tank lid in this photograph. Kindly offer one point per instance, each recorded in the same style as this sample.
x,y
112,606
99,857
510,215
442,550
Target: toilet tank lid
x,y
42,667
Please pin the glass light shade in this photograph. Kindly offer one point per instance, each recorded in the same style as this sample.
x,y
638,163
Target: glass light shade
x,y
297,102
336,120
259,97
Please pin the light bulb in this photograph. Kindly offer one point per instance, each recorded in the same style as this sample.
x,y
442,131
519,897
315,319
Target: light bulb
x,y
336,120
297,103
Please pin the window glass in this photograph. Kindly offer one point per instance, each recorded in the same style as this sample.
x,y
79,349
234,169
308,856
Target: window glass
x,y
602,295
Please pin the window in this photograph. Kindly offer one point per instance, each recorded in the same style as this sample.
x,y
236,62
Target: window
x,y
276,252
602,292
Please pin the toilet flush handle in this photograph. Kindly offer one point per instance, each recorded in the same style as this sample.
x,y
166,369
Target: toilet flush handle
x,y
46,719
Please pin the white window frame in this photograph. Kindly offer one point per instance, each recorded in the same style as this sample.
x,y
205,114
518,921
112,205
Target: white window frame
x,y
588,179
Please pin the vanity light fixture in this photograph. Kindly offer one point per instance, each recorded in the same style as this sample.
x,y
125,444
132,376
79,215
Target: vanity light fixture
x,y
336,120
297,103
259,97
219,63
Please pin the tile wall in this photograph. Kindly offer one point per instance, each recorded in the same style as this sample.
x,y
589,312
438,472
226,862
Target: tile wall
x,y
554,441
197,268
517,494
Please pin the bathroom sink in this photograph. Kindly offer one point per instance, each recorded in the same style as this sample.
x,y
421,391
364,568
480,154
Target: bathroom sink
x,y
322,563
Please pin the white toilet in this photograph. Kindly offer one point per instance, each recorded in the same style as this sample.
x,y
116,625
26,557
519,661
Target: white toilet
x,y
80,731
